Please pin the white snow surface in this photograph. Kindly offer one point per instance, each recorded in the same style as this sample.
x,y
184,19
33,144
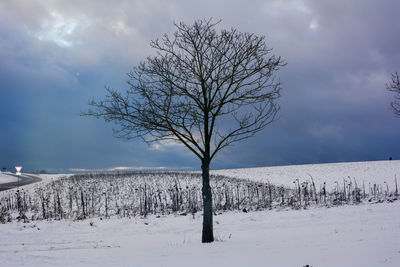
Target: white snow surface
x,y
354,235
372,172
5,178
363,235
46,178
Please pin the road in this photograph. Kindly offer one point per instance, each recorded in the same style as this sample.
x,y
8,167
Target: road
x,y
24,179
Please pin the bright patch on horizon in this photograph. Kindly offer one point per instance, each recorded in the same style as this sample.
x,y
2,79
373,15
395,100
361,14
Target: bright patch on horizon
x,y
58,30
119,168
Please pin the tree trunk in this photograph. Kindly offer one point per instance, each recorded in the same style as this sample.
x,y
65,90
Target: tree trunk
x,y
208,235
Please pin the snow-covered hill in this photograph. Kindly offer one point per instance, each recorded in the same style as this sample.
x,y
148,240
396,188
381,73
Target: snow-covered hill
x,y
367,172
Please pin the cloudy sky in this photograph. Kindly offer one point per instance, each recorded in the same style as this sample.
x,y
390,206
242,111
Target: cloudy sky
x,y
56,55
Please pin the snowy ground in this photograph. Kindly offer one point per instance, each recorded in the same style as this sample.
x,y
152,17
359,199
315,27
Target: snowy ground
x,y
356,235
46,178
364,235
369,172
5,178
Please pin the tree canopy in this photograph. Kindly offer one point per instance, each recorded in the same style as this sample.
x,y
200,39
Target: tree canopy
x,y
202,88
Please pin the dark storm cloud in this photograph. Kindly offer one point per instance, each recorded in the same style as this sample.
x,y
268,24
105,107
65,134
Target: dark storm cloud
x,y
56,55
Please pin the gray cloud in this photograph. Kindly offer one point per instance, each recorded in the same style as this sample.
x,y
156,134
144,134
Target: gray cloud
x,y
56,55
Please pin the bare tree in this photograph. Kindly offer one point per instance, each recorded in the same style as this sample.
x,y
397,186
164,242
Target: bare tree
x,y
204,89
394,86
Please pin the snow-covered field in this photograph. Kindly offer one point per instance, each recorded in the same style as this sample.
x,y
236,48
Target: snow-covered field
x,y
369,172
46,178
349,235
364,235
5,178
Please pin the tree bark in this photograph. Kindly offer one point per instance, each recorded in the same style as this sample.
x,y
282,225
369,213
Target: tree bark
x,y
208,235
